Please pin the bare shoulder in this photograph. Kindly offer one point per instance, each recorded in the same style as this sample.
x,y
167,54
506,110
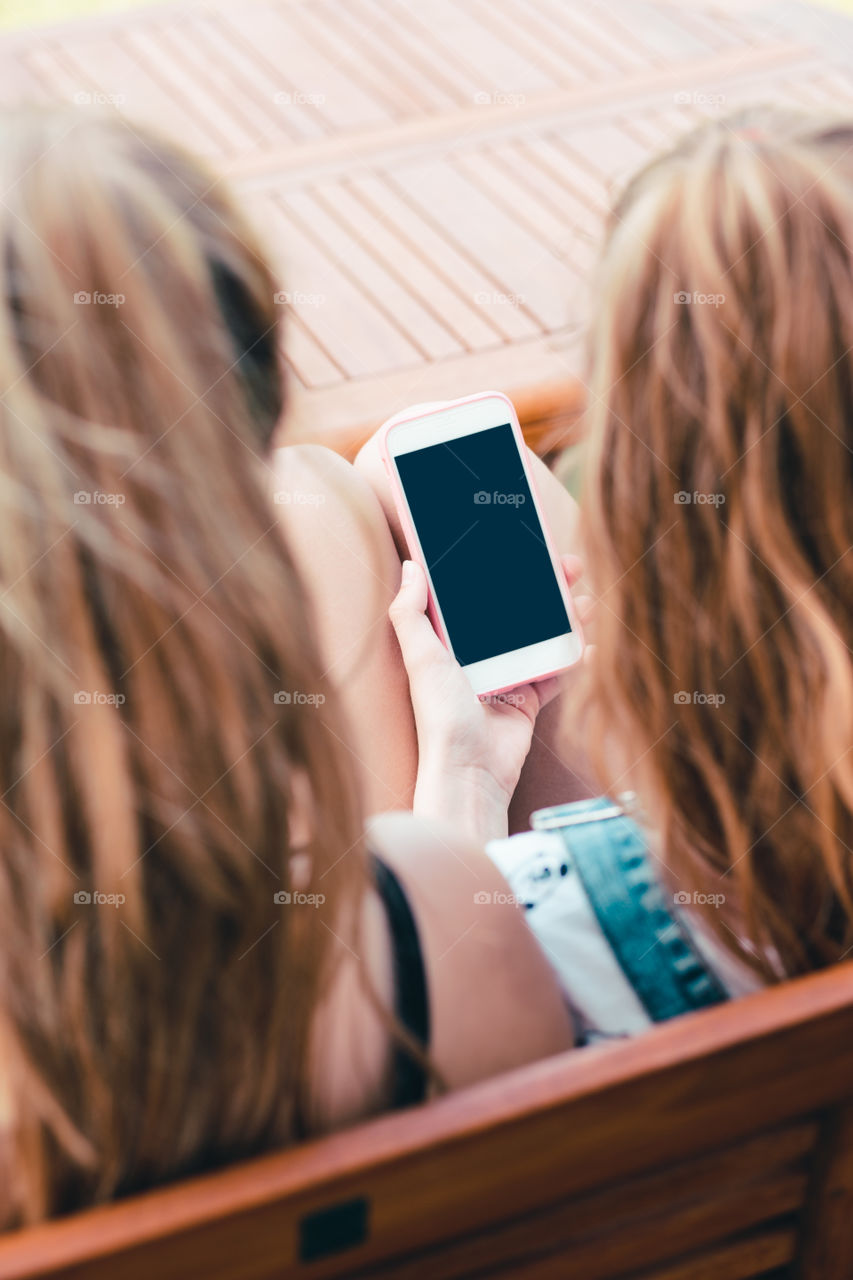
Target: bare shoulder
x,y
307,478
495,1000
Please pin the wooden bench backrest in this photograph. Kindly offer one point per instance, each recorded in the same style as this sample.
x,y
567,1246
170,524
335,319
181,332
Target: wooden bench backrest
x,y
720,1145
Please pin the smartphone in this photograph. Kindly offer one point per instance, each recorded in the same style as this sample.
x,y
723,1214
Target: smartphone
x,y
469,509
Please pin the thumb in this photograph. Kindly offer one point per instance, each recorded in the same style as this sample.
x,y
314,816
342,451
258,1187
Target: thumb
x,y
418,642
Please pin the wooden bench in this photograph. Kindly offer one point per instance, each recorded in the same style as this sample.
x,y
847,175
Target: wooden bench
x,y
717,1146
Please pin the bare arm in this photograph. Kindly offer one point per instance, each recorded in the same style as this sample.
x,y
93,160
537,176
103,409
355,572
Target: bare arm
x,y
495,1001
340,540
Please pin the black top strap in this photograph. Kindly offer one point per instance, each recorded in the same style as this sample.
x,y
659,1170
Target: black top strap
x,y
411,996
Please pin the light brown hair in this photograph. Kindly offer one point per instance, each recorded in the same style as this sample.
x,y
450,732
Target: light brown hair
x,y
718,523
150,614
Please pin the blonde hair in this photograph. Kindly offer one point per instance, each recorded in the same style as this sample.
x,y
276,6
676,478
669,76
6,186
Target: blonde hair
x,y
149,615
718,524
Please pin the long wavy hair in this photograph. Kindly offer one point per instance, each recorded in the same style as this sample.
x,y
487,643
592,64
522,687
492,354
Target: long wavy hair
x,y
718,524
166,731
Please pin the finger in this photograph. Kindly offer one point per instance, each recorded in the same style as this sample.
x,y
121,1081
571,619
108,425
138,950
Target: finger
x,y
413,591
572,568
585,606
418,641
548,690
531,698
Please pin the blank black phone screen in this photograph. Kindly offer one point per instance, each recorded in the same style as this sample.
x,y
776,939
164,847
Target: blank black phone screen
x,y
482,541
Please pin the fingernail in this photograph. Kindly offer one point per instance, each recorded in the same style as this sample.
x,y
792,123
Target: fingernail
x,y
408,571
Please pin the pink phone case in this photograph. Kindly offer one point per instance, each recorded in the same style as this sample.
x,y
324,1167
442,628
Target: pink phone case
x,y
423,411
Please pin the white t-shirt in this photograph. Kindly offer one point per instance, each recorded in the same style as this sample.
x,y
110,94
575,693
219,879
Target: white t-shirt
x,y
600,996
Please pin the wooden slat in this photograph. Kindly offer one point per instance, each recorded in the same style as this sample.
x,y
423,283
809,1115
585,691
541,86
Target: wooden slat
x,y
200,93
583,190
434,288
555,30
581,224
189,69
757,1255
522,267
439,83
437,244
826,1250
672,39
357,46
346,105
109,67
307,359
762,1256
650,1219
516,32
666,1237
606,150
504,187
503,65
326,296
262,77
367,269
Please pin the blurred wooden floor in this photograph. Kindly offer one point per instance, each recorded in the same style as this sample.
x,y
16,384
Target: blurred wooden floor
x,y
430,178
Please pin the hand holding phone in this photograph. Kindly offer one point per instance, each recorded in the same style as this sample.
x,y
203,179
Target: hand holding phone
x,y
467,502
471,749
486,571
